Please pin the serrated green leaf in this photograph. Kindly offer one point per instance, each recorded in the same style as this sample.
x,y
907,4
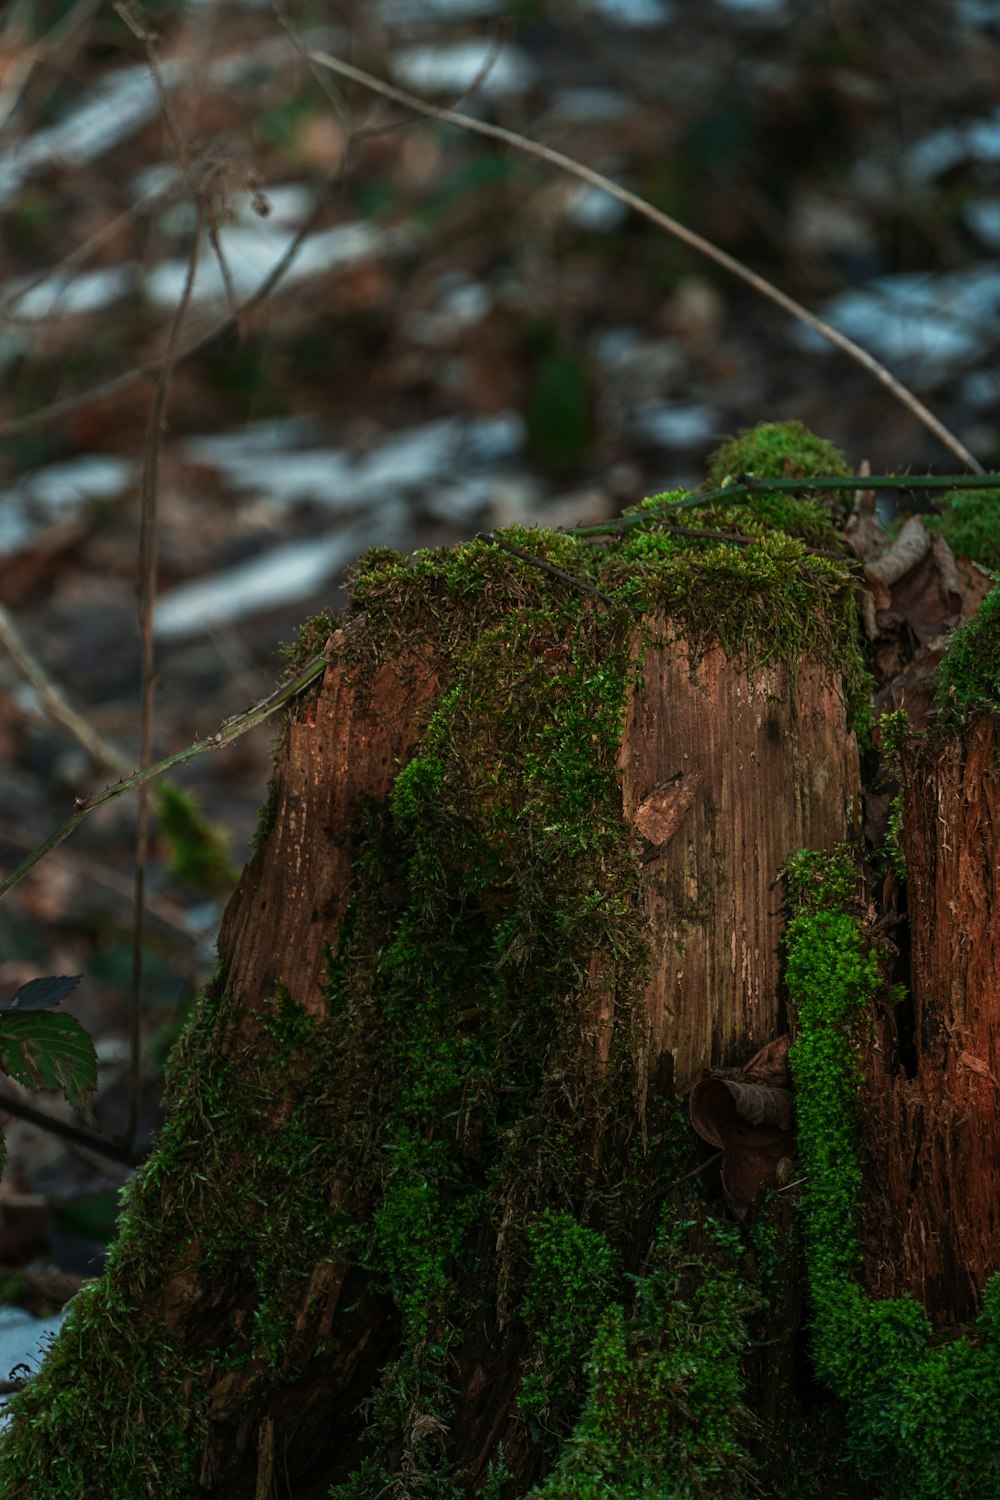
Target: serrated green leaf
x,y
43,1051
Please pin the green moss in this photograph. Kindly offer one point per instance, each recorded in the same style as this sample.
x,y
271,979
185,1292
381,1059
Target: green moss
x,y
895,731
571,1279
113,1400
115,1409
197,850
923,1419
970,524
769,602
310,639
969,680
664,1413
783,450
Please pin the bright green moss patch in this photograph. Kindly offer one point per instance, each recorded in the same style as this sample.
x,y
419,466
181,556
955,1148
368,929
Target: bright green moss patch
x,y
571,1279
969,680
664,1413
923,1419
783,450
970,524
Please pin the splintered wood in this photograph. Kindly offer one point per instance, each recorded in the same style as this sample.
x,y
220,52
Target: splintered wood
x,y
932,1104
725,774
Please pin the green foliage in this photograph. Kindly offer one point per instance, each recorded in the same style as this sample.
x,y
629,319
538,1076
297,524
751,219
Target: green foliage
x,y
923,1420
783,450
571,1279
43,1051
970,524
664,1413
197,850
969,680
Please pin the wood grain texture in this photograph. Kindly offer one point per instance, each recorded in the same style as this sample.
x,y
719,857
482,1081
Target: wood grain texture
x,y
741,769
344,749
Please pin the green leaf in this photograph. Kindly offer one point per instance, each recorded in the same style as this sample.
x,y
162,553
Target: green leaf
x,y
49,1052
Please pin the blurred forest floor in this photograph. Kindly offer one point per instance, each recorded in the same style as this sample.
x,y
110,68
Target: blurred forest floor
x,y
463,339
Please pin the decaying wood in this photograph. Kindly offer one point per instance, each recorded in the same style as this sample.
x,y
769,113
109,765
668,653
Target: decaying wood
x,y
294,892
725,774
933,1113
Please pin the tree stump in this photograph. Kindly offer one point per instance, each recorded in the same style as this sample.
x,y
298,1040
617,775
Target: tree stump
x,y
515,884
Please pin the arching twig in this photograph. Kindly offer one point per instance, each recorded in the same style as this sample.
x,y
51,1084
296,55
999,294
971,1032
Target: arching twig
x,y
231,730
672,226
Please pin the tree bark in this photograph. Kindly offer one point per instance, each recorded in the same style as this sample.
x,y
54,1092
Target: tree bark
x,y
932,1097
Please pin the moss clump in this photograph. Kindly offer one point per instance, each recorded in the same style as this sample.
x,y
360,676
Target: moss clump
x,y
571,1279
664,1413
124,1408
783,450
969,680
117,1408
923,1419
197,850
465,994
970,524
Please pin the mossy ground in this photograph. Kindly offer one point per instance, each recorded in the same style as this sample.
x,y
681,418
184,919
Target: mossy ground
x,y
496,1174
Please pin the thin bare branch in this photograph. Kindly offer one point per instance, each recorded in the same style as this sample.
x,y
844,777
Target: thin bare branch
x,y
46,414
747,484
672,226
77,1134
229,731
201,199
81,253
54,700
148,547
48,48
546,567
